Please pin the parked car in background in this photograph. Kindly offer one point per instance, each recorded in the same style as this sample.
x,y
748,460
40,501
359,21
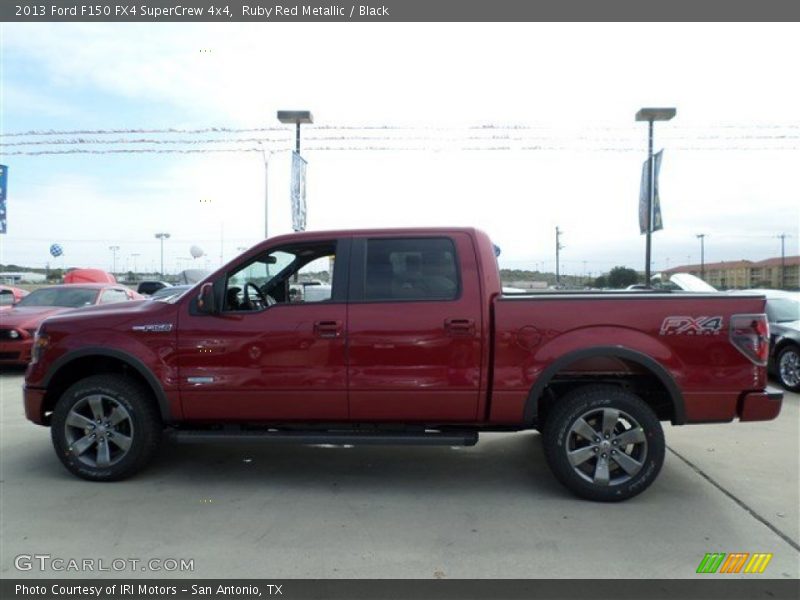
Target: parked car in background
x,y
784,320
171,291
148,288
19,323
783,312
10,295
89,276
310,291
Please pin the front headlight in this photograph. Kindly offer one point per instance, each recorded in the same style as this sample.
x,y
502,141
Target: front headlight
x,y
40,343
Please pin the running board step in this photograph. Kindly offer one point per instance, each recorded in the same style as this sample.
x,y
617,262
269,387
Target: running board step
x,y
427,438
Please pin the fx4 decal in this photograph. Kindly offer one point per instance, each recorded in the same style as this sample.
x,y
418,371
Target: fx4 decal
x,y
691,326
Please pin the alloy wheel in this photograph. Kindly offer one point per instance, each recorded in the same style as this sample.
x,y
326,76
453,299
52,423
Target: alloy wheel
x,y
789,368
606,446
98,431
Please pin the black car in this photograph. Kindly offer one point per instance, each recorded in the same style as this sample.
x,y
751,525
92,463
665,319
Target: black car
x,y
783,311
171,291
148,288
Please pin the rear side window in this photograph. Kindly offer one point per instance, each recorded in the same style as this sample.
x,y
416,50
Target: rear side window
x,y
113,296
410,269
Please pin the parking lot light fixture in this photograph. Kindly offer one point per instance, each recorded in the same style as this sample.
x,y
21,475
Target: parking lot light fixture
x,y
656,114
298,117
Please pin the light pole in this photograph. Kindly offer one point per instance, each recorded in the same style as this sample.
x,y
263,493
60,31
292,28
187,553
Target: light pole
x,y
783,260
135,255
559,247
702,238
114,258
650,115
162,237
266,158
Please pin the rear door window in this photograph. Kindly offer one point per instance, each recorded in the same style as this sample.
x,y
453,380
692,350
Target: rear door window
x,y
410,269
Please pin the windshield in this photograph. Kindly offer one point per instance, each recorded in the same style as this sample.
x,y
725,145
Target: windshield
x,y
171,293
783,310
67,297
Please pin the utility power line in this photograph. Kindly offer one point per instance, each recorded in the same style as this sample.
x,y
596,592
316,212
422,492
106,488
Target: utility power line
x,y
370,138
389,148
382,127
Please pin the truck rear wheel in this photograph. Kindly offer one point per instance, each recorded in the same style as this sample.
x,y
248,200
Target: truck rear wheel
x,y
105,428
603,443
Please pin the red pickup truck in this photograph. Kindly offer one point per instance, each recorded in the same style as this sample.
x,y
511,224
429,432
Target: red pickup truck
x,y
410,341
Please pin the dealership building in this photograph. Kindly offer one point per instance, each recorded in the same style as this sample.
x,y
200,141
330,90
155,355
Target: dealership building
x,y
742,274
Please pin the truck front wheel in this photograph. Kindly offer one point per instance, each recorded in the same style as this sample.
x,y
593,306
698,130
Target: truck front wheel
x,y
603,443
105,428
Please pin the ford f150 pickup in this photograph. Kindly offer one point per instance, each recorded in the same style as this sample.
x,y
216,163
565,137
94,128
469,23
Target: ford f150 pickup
x,y
411,341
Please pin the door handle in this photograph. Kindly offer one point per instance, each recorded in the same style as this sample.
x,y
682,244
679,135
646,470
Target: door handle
x,y
328,329
460,327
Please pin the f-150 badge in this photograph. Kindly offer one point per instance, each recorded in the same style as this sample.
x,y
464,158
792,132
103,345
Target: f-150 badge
x,y
153,327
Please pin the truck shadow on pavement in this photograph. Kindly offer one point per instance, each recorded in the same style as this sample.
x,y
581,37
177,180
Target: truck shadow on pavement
x,y
512,462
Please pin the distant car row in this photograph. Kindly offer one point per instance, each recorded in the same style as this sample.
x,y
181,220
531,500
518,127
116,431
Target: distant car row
x,y
20,320
10,295
21,313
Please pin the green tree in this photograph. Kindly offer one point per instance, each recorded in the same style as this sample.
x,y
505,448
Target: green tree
x,y
621,277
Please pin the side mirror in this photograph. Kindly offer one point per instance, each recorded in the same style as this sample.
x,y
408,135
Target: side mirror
x,y
206,301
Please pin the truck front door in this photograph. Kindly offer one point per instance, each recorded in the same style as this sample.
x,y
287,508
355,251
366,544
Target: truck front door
x,y
271,353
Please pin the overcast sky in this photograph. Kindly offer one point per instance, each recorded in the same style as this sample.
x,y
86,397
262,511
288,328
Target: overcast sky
x,y
730,164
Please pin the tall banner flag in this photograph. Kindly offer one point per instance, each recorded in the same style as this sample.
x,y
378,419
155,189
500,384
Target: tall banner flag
x,y
3,190
643,193
298,192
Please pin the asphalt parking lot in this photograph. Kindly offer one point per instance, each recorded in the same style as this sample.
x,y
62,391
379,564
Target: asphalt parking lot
x,y
493,510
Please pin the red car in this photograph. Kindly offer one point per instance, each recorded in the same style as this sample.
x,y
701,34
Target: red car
x,y
19,323
10,296
414,343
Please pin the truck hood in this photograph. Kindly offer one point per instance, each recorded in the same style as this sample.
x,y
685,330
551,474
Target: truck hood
x,y
109,315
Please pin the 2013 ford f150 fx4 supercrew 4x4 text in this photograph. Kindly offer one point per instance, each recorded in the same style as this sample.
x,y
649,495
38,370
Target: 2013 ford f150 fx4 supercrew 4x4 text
x,y
412,342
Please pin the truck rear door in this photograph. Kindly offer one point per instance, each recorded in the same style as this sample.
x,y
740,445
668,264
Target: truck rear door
x,y
414,328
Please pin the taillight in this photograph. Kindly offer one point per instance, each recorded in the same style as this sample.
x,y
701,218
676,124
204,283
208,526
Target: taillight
x,y
750,335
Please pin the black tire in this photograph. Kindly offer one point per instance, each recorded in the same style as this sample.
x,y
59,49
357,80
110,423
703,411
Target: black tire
x,y
118,444
636,433
787,367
